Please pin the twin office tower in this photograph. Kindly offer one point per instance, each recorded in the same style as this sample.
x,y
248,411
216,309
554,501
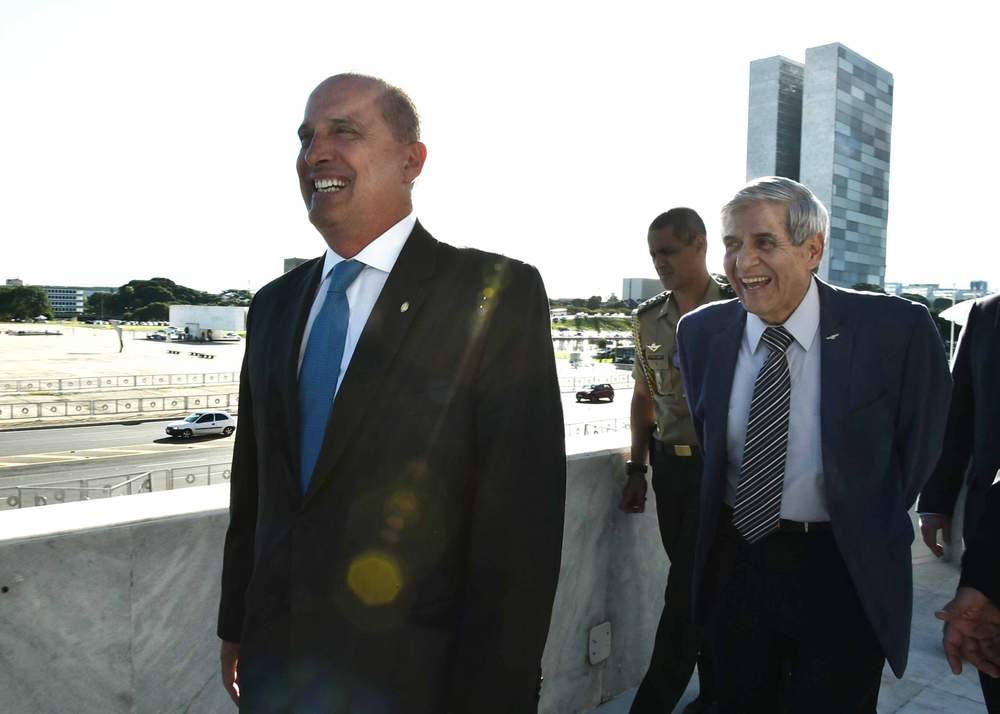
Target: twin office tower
x,y
827,124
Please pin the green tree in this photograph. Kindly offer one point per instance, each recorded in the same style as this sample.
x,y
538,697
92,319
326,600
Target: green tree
x,y
152,311
594,302
940,304
235,297
917,298
24,302
869,287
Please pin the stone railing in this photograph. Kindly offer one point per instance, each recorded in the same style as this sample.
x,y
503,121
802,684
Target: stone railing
x,y
109,605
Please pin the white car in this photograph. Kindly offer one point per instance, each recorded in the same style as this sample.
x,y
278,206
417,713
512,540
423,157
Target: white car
x,y
202,424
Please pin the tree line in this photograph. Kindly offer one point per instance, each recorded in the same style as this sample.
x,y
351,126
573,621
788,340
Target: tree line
x,y
151,300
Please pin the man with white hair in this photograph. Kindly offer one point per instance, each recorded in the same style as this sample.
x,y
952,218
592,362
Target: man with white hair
x,y
820,412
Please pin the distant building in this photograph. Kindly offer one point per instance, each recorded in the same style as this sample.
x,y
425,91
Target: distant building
x,y
980,287
841,104
933,291
205,322
69,301
639,289
14,283
293,263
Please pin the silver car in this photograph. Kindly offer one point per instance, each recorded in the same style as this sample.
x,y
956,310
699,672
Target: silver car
x,y
202,424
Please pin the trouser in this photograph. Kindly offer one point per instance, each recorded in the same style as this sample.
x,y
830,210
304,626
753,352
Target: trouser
x,y
676,483
787,629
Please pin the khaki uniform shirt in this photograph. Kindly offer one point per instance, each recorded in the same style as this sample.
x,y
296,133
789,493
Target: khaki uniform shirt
x,y
655,327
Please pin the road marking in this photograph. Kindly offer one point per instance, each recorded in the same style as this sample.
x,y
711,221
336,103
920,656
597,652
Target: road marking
x,y
103,453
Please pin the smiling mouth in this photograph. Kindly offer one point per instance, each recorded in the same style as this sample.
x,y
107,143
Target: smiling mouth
x,y
330,185
754,283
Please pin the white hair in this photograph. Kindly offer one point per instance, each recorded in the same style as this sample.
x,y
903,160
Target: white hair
x,y
805,214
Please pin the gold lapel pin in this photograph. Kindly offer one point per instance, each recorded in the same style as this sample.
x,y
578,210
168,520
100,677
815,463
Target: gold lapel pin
x,y
404,307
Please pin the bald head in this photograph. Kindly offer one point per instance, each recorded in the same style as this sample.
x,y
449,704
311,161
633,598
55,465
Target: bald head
x,y
395,105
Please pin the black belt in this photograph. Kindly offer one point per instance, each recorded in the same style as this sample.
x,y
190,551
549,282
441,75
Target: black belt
x,y
788,526
682,450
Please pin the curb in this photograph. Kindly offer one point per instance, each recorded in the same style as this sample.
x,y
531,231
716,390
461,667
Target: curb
x,y
128,422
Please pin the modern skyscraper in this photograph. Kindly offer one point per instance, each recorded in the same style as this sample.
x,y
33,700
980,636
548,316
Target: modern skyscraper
x,y
845,117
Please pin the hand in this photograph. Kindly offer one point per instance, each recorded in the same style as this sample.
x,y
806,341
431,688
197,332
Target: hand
x,y
930,524
634,494
229,658
971,632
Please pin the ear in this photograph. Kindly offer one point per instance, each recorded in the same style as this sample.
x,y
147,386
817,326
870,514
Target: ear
x,y
814,246
416,154
700,243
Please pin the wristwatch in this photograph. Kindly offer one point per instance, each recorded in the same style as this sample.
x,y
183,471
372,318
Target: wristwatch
x,y
635,467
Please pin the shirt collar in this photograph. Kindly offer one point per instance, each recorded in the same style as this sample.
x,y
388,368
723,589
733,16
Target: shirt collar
x,y
382,252
802,323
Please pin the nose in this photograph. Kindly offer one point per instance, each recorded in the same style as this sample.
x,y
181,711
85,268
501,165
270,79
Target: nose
x,y
746,256
319,150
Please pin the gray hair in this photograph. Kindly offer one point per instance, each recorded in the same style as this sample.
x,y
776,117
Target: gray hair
x,y
805,214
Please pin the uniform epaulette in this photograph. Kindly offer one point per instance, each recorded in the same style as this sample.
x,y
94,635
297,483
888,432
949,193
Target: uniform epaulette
x,y
724,287
652,302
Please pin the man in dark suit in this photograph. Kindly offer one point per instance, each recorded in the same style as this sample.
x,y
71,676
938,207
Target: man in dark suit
x,y
971,452
398,477
820,412
972,618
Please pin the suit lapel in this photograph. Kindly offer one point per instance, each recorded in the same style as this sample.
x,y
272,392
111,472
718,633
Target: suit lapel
x,y
719,372
836,345
293,325
395,310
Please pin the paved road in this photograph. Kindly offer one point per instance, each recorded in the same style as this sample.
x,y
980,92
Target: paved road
x,y
44,455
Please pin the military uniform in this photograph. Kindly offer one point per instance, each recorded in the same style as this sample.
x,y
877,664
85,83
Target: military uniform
x,y
676,462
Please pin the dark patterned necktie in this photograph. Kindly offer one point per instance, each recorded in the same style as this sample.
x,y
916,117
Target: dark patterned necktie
x,y
758,495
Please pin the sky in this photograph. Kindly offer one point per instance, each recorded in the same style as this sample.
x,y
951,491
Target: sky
x,y
142,139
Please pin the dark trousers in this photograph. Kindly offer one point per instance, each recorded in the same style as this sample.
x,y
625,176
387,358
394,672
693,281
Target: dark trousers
x,y
991,693
676,482
787,630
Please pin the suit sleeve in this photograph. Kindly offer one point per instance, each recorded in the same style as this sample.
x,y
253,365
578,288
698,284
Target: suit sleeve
x,y
515,543
923,405
237,564
941,491
981,562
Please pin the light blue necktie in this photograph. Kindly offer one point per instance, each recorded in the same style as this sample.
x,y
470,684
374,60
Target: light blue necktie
x,y
321,366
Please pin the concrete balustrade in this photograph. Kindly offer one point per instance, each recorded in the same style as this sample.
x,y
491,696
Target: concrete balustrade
x,y
109,606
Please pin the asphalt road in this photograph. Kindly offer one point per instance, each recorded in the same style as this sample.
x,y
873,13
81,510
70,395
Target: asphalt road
x,y
44,455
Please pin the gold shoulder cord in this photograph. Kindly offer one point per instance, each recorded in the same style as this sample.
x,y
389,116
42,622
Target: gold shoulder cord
x,y
640,354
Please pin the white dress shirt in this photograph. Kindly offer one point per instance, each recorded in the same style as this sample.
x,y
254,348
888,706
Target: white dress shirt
x,y
379,257
802,495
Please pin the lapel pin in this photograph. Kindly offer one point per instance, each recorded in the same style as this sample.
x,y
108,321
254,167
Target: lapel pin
x,y
404,307
653,347
832,337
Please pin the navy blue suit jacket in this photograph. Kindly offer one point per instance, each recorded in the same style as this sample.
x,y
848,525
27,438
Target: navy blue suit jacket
x,y
884,399
971,448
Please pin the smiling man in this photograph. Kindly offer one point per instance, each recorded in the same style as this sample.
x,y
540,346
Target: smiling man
x,y
398,479
820,412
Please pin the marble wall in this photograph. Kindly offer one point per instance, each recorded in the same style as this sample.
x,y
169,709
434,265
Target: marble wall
x,y
115,612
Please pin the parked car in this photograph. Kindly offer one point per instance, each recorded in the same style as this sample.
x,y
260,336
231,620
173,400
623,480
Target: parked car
x,y
596,392
202,424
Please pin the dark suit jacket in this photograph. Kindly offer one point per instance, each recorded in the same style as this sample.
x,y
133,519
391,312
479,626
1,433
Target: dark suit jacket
x,y
971,450
981,562
884,396
417,573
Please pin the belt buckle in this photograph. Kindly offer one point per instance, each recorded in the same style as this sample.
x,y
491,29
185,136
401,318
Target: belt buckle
x,y
682,450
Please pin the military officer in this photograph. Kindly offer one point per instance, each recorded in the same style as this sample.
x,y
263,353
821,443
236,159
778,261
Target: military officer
x,y
663,435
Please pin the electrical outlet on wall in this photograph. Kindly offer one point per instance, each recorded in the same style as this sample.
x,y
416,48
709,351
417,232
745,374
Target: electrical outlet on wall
x,y
600,643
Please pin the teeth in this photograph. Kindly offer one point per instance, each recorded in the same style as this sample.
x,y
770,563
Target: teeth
x,y
329,185
755,281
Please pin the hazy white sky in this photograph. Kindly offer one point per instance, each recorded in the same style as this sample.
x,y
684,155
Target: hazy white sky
x,y
142,139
